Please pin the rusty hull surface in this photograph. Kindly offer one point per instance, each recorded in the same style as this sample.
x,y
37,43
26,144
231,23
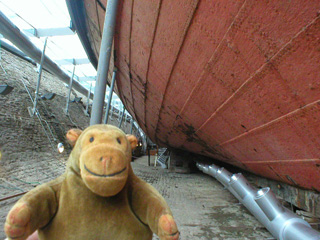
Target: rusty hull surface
x,y
238,81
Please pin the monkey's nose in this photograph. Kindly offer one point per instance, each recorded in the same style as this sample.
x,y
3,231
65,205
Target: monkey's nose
x,y
105,161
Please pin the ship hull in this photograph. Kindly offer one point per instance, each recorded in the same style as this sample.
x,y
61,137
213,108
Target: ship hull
x,y
237,81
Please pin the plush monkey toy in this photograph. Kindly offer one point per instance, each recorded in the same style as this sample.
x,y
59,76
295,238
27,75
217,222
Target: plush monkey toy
x,y
72,136
97,198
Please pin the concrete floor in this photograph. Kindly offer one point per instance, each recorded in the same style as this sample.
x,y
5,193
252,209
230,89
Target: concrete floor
x,y
202,208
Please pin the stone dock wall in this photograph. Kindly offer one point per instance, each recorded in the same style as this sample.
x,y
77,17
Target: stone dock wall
x,y
28,157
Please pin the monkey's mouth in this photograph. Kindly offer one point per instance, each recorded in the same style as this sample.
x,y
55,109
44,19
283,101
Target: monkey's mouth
x,y
104,175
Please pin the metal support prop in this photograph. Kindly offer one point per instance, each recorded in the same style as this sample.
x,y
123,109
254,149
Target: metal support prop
x,y
88,98
110,96
104,61
121,118
127,120
119,115
112,109
131,126
70,88
39,77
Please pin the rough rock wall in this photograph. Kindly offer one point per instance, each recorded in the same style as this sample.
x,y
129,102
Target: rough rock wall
x,y
20,132
28,156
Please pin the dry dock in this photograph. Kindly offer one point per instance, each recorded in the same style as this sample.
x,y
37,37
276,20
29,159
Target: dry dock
x,y
201,206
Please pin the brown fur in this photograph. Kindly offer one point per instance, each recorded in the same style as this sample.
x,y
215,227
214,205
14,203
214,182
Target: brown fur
x,y
98,197
72,136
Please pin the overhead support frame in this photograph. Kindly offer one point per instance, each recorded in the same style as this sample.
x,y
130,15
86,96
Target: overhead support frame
x,y
49,32
87,79
76,61
14,35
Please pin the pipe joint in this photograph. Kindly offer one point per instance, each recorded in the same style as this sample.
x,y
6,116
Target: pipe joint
x,y
223,176
241,186
269,204
213,169
263,204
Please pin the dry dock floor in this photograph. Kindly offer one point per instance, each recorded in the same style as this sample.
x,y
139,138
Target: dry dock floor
x,y
201,206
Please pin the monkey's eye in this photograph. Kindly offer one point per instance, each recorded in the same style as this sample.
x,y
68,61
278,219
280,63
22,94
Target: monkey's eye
x,y
91,139
118,140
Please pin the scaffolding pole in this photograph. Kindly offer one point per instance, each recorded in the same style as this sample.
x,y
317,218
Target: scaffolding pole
x,y
88,98
39,78
121,118
131,129
14,35
104,61
110,96
70,88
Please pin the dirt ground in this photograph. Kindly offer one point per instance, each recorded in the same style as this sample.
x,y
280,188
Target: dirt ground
x,y
201,206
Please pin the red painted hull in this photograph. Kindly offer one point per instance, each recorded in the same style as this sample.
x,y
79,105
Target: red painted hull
x,y
237,81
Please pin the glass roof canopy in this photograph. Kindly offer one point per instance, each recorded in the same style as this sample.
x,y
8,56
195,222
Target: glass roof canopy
x,y
29,15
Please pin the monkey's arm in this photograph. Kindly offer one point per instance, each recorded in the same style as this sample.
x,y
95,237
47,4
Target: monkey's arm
x,y
34,210
151,208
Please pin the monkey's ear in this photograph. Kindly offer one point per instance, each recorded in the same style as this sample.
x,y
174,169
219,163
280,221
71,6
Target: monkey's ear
x,y
73,135
133,141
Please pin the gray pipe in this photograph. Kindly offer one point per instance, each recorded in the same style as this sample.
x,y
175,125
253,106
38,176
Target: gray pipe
x,y
223,176
104,61
43,54
280,222
121,118
14,35
131,129
88,99
70,88
110,96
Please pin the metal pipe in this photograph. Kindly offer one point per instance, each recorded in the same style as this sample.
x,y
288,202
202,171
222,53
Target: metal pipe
x,y
223,176
104,61
121,118
111,110
39,77
131,129
268,203
70,88
244,192
14,35
88,98
284,224
110,96
119,115
280,222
